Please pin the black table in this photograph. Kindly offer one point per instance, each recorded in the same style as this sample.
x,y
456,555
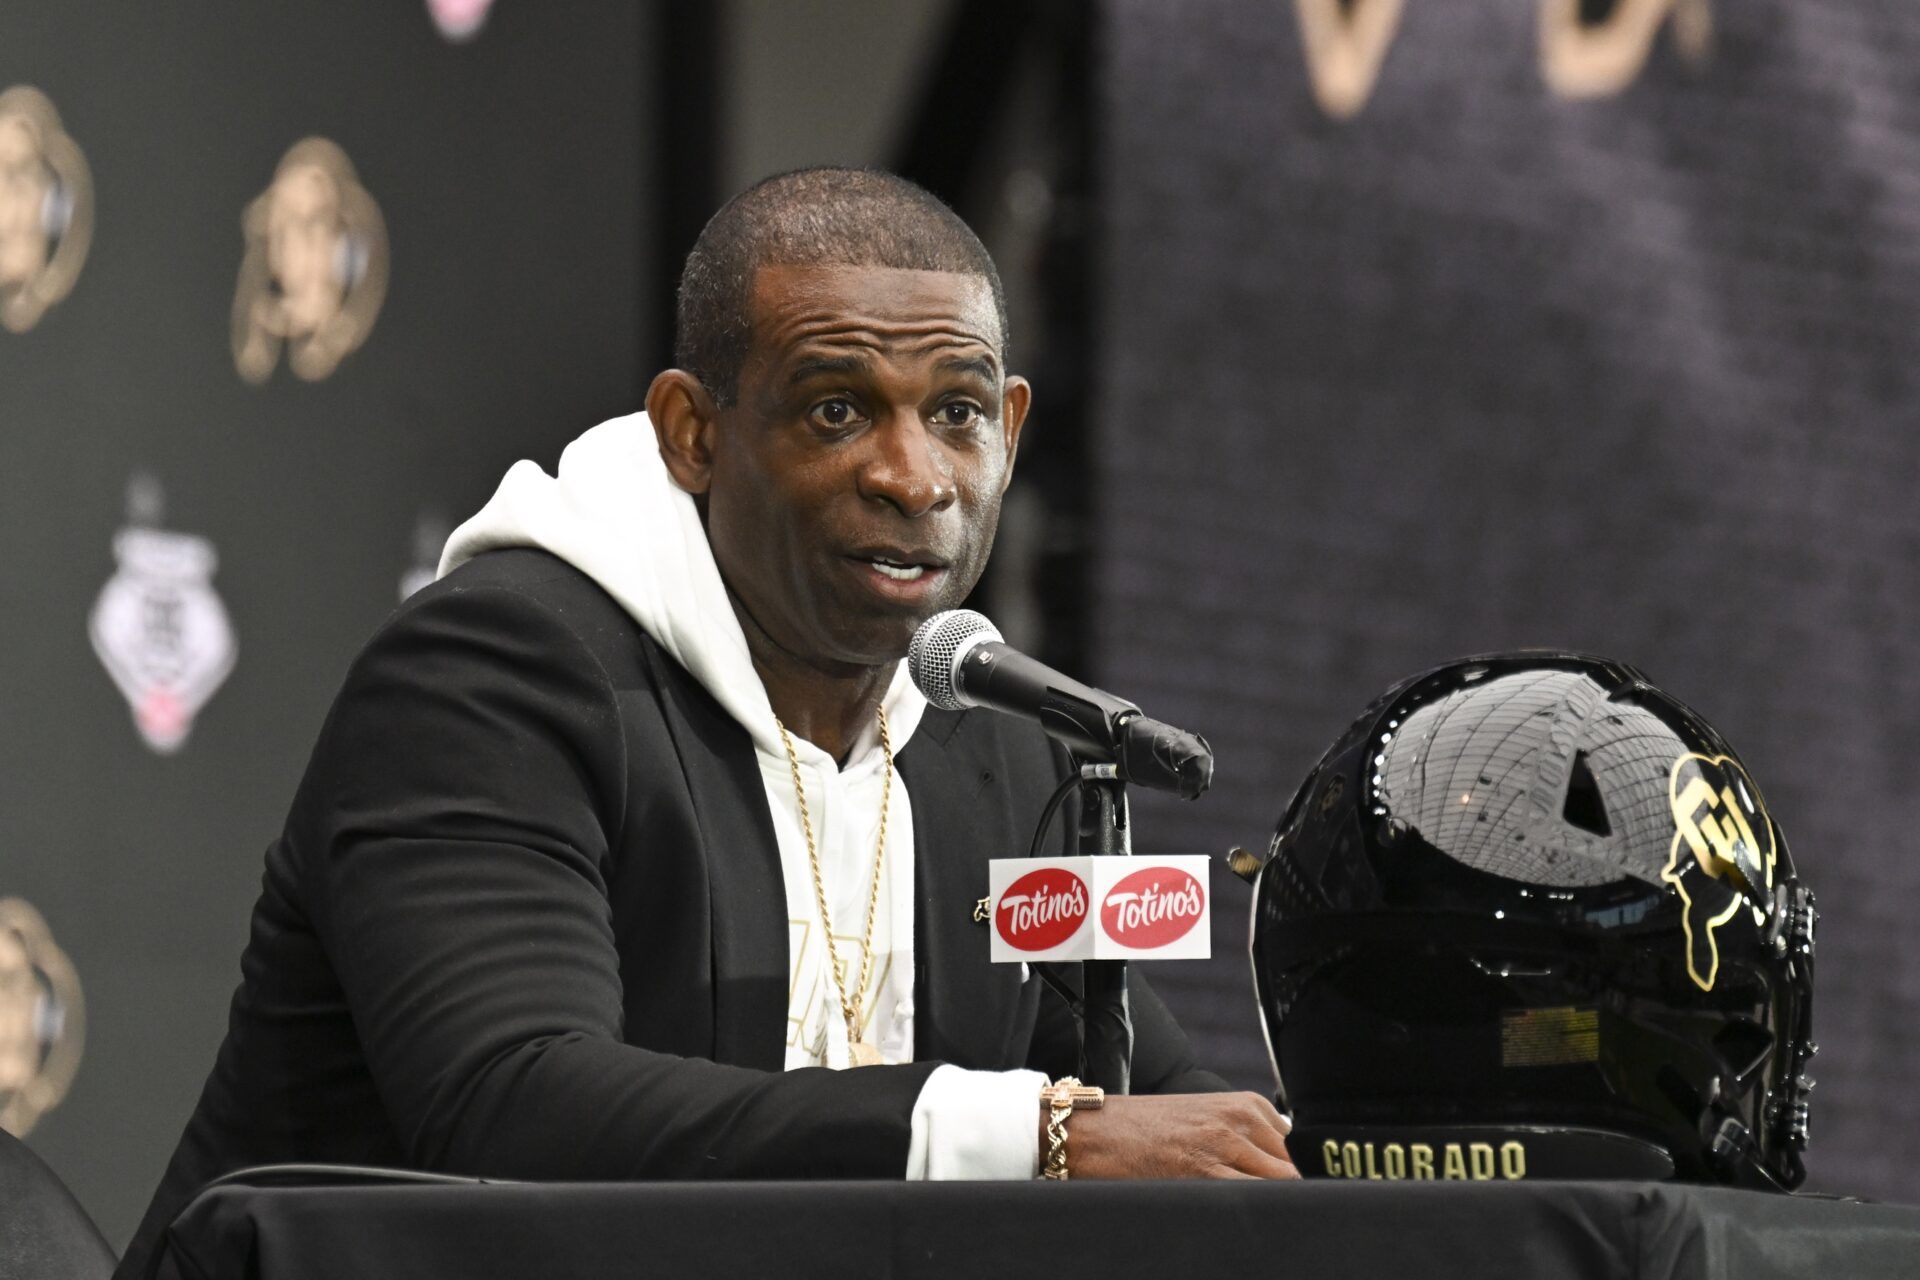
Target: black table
x,y
1055,1231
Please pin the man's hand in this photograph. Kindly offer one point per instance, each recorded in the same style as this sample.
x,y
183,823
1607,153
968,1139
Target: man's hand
x,y
1178,1135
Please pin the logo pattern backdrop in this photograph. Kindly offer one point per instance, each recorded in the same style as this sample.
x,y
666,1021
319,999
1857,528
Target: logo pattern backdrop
x,y
199,212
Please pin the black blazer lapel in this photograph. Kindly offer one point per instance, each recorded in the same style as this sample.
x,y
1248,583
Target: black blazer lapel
x,y
746,889
966,1010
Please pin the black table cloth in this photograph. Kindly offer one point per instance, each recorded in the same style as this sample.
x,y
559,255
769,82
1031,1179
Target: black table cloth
x,y
1060,1231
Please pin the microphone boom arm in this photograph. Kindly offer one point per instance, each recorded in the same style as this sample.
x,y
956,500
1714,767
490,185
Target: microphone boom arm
x,y
1094,726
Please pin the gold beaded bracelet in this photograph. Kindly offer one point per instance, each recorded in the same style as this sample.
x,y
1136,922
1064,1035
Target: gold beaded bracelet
x,y
1062,1098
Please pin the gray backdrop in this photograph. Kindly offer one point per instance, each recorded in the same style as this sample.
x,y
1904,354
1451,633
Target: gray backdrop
x,y
1486,366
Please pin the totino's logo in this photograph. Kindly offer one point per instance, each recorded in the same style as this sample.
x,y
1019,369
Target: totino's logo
x,y
1425,1161
1722,855
41,1019
1042,909
46,208
1153,908
315,270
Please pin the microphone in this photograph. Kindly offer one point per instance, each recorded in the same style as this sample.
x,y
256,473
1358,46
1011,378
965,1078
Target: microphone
x,y
958,660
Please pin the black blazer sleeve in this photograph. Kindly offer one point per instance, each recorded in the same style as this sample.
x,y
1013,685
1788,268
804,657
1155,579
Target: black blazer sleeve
x,y
451,837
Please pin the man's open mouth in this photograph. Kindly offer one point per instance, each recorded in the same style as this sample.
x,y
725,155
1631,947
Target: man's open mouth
x,y
897,571
900,565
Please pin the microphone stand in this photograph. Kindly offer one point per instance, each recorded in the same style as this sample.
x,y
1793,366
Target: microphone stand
x,y
1106,1045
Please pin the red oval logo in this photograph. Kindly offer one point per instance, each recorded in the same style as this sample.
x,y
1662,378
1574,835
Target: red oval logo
x,y
1153,908
1042,909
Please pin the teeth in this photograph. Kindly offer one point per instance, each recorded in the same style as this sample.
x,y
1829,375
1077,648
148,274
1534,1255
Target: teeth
x,y
899,572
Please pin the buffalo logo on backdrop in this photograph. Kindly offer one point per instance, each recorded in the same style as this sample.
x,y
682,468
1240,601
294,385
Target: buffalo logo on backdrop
x,y
1722,856
42,1019
46,208
459,20
315,270
158,626
1042,909
1587,48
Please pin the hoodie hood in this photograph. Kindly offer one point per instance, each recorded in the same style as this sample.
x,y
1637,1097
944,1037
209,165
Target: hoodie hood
x,y
612,512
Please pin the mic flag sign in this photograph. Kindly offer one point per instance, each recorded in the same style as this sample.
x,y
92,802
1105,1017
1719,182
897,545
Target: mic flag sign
x,y
1099,908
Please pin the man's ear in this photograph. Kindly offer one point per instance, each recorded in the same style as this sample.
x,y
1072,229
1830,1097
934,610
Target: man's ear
x,y
1015,400
684,419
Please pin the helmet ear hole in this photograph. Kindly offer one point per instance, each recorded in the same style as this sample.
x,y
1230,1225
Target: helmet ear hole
x,y
1584,807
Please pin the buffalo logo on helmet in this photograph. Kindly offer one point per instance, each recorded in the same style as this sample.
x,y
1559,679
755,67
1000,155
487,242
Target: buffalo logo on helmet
x,y
315,271
1722,856
158,626
42,1019
46,208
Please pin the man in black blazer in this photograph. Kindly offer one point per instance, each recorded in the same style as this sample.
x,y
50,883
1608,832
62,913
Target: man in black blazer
x,y
534,912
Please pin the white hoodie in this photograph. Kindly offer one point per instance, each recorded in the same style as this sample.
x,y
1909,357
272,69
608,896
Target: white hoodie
x,y
613,512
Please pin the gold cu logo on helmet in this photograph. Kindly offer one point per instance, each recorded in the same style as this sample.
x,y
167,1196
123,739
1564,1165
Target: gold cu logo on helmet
x,y
315,271
46,208
41,1019
1723,828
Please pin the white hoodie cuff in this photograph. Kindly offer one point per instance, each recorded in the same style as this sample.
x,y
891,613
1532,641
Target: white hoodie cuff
x,y
976,1125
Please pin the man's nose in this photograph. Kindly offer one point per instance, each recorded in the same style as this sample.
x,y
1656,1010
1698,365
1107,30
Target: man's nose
x,y
907,468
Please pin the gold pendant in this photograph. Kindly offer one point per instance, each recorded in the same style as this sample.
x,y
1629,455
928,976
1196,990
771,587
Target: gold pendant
x,y
861,1053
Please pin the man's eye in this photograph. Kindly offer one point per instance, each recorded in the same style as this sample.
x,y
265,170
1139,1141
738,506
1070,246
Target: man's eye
x,y
834,413
959,413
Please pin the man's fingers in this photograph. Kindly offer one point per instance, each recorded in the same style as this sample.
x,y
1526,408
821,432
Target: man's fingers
x,y
1251,1161
1261,1165
1272,1113
1265,1127
1269,1140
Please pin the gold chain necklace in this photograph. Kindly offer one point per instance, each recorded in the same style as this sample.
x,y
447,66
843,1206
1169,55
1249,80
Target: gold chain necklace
x,y
862,1053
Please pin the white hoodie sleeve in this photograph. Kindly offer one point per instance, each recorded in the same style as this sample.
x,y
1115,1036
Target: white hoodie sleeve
x,y
976,1125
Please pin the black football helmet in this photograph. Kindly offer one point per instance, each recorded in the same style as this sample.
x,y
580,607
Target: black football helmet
x,y
1529,917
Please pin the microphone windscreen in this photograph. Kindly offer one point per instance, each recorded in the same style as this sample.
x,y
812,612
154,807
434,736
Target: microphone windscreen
x,y
930,656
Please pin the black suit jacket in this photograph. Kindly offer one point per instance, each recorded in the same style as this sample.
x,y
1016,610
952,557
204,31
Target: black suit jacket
x,y
527,920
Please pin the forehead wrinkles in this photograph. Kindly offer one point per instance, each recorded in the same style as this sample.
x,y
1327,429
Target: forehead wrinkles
x,y
885,310
907,341
832,325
